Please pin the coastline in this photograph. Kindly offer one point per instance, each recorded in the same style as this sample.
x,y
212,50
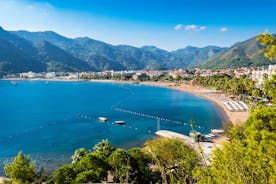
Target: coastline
x,y
236,118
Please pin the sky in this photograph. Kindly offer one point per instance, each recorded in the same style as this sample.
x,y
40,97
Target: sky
x,y
167,24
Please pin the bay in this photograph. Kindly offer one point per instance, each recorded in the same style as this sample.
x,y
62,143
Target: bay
x,y
49,120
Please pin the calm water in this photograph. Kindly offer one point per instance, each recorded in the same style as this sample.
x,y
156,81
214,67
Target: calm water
x,y
41,119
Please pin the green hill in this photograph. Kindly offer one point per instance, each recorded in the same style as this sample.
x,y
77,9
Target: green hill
x,y
242,54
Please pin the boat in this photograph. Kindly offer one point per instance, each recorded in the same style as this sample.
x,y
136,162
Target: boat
x,y
102,119
217,131
120,122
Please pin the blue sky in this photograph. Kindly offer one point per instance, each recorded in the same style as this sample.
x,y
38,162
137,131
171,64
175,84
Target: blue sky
x,y
168,24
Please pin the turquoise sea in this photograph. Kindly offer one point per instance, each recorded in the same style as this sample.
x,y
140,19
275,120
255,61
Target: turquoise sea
x,y
41,118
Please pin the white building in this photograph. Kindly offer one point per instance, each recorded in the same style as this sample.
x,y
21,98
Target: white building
x,y
50,75
257,75
30,75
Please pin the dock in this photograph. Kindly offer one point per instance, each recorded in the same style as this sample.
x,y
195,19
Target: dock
x,y
207,147
170,134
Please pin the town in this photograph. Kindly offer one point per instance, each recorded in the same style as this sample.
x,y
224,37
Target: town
x,y
257,74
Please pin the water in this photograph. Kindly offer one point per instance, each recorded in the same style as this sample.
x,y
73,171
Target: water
x,y
41,118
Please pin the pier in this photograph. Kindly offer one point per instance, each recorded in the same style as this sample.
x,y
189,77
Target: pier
x,y
205,148
170,134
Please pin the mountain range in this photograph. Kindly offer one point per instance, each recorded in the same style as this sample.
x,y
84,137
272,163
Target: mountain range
x,y
22,51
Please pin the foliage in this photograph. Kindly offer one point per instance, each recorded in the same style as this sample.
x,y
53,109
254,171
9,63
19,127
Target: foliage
x,y
173,158
65,174
269,88
89,168
92,164
21,170
249,156
78,154
269,41
229,84
140,163
120,162
104,147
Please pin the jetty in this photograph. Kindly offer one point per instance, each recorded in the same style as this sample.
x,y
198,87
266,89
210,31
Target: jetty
x,y
205,147
170,134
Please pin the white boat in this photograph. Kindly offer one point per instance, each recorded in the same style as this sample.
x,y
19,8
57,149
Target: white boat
x,y
102,119
120,122
217,131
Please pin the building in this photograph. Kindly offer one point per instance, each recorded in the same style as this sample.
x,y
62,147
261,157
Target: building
x,y
140,76
258,75
30,75
50,75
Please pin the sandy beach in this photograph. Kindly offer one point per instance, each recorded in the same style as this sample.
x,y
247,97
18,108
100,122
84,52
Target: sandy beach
x,y
237,118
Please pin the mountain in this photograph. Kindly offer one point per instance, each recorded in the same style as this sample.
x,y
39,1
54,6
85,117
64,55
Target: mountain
x,y
20,55
195,55
242,54
59,60
17,55
103,56
49,51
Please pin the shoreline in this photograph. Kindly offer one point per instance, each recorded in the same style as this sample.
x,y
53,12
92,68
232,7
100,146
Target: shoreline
x,y
236,118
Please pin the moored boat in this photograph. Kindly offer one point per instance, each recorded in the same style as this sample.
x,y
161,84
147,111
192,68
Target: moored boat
x,y
102,119
217,131
120,122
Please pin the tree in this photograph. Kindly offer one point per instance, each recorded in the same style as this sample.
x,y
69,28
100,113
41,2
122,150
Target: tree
x,y
173,158
140,163
269,88
249,156
64,174
104,147
21,170
91,167
78,154
92,162
88,176
269,42
120,162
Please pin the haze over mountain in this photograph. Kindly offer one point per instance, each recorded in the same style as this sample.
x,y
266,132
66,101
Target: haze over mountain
x,y
22,51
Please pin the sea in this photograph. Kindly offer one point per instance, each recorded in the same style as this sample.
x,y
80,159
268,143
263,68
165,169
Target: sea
x,y
49,120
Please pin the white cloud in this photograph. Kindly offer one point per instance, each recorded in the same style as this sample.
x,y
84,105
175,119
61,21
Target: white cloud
x,y
189,27
223,29
202,28
178,27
